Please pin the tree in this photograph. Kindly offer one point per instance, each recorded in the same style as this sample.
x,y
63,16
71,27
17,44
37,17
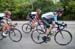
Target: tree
x,y
20,8
69,6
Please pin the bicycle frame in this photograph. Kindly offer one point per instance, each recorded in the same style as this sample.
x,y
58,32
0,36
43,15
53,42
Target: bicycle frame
x,y
36,21
58,28
10,27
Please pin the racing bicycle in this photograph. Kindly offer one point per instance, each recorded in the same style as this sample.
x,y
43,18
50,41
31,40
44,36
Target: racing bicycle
x,y
61,35
27,28
14,34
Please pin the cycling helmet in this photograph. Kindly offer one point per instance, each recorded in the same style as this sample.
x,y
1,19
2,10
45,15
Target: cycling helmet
x,y
59,11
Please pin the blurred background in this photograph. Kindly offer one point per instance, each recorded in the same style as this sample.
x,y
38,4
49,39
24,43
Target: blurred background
x,y
20,8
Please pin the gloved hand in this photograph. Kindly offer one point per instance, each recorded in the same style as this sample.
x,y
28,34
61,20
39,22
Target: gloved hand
x,y
56,22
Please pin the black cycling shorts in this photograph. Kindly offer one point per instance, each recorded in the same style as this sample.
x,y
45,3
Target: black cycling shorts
x,y
47,22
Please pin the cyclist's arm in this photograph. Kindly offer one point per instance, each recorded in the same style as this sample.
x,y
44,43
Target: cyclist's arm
x,y
55,18
29,17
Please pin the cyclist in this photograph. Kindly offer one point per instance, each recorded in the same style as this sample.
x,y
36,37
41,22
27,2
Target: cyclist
x,y
34,16
5,21
50,18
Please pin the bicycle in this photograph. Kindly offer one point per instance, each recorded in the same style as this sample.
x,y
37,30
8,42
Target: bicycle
x,y
59,35
14,34
27,28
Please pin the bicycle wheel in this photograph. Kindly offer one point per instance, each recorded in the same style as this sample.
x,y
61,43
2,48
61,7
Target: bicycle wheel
x,y
26,28
37,35
15,35
63,37
1,37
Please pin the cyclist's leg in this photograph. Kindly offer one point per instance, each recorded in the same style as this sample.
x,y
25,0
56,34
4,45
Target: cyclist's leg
x,y
4,27
47,24
31,20
53,25
33,23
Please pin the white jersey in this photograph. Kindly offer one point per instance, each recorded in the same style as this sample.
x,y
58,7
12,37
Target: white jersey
x,y
2,14
34,13
48,15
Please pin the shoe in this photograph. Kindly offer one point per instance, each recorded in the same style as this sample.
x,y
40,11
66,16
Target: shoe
x,y
45,39
48,38
4,34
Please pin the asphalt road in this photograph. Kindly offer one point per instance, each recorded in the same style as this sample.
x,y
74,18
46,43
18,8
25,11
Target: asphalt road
x,y
27,43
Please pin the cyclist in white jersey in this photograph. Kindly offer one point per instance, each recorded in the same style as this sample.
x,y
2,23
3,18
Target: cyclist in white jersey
x,y
50,18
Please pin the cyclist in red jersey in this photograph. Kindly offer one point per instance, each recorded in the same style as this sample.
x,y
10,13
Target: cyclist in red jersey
x,y
5,21
34,17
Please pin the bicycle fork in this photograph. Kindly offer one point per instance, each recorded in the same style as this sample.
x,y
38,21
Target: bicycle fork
x,y
61,34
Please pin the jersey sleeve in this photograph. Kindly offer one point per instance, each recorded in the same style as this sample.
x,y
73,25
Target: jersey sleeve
x,y
55,18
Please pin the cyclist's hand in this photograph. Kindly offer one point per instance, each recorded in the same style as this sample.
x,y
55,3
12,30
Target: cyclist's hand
x,y
56,22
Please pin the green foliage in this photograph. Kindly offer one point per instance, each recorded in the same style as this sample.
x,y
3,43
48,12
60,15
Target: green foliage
x,y
44,5
20,8
69,9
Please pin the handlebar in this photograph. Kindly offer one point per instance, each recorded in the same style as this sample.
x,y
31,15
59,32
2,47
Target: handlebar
x,y
14,25
64,25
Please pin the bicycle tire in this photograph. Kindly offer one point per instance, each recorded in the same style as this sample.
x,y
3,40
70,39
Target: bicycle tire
x,y
64,43
1,36
32,36
25,29
13,31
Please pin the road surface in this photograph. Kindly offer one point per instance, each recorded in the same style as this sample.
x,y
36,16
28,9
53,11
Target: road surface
x,y
27,43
